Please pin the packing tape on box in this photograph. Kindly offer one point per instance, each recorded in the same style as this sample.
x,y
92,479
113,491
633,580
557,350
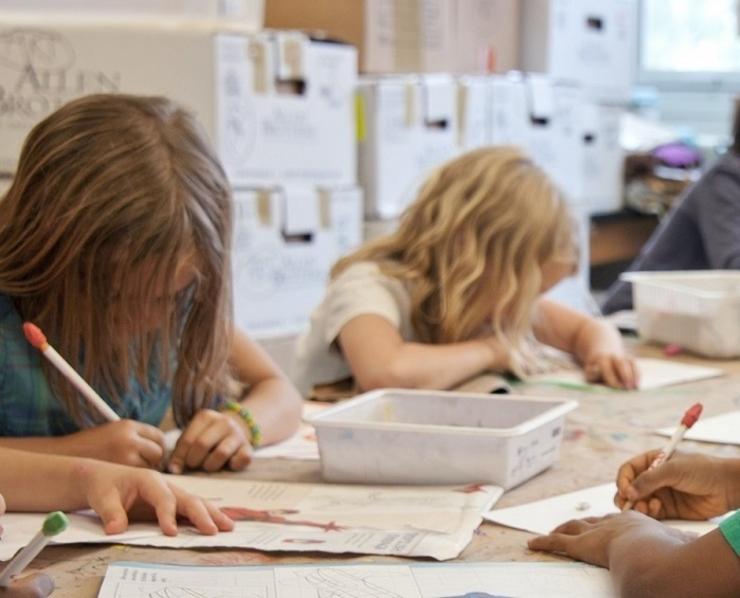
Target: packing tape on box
x,y
264,207
360,117
258,51
291,56
410,103
463,96
325,209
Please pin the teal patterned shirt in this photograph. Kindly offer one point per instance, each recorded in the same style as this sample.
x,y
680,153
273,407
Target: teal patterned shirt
x,y
27,404
730,528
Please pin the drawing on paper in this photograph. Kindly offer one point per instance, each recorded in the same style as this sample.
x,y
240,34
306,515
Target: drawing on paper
x,y
339,583
128,591
478,595
276,516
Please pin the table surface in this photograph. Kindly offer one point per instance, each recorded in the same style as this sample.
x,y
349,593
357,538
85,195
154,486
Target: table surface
x,y
606,429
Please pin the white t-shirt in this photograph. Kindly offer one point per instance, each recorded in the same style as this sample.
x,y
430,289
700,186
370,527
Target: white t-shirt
x,y
360,289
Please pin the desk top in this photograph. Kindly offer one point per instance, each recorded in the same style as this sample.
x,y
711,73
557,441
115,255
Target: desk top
x,y
606,429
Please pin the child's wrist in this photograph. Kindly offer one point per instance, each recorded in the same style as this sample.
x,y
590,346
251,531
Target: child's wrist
x,y
245,416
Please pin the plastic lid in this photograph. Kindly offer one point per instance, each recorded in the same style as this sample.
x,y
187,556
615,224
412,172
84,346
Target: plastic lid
x,y
55,523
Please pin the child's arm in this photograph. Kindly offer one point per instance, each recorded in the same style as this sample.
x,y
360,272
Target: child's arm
x,y
215,439
127,442
274,402
647,558
380,358
32,482
596,345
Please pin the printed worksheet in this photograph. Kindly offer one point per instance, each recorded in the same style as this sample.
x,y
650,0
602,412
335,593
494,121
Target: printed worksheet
x,y
720,429
542,516
478,580
272,516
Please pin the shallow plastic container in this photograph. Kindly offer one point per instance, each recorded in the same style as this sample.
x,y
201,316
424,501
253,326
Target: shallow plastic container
x,y
698,310
394,436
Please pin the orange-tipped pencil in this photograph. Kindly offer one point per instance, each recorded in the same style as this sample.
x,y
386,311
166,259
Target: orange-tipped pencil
x,y
38,339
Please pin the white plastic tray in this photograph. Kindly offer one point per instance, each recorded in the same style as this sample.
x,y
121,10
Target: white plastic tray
x,y
393,436
697,310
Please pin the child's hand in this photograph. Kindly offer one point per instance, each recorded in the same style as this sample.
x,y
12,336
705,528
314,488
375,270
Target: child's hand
x,y
588,539
211,441
687,486
127,442
617,371
31,586
115,492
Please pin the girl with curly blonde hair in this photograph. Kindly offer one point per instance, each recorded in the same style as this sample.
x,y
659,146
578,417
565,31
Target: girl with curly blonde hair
x,y
457,289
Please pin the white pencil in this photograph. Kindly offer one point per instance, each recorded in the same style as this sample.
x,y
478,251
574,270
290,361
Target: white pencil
x,y
55,523
37,339
687,421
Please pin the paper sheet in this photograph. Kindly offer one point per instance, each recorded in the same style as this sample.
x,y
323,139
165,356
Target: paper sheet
x,y
721,429
272,516
654,373
542,516
485,580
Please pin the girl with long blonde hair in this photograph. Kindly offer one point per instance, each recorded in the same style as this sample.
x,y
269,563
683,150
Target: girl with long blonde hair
x,y
457,289
115,239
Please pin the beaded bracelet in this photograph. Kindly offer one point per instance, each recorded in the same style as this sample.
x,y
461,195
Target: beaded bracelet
x,y
255,434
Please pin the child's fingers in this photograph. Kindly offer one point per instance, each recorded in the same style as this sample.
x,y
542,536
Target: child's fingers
x,y
221,454
207,441
609,374
153,434
552,542
242,458
195,510
623,368
221,519
184,444
629,470
572,527
111,511
160,496
150,452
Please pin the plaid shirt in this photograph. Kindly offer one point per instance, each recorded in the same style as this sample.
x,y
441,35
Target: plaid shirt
x,y
27,404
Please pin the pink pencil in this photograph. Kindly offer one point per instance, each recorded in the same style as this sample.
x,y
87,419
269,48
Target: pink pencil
x,y
38,339
687,421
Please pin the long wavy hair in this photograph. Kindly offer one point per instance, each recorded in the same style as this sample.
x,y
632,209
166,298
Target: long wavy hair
x,y
113,195
471,247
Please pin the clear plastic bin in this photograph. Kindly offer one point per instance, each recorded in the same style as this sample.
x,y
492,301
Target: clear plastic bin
x,y
697,310
432,437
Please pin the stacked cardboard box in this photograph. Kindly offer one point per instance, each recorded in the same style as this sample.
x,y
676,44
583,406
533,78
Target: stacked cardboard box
x,y
592,44
413,36
277,106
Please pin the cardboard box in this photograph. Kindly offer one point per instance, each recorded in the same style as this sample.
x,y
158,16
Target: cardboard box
x,y
409,36
249,13
509,122
285,242
603,158
279,108
589,42
554,140
409,126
